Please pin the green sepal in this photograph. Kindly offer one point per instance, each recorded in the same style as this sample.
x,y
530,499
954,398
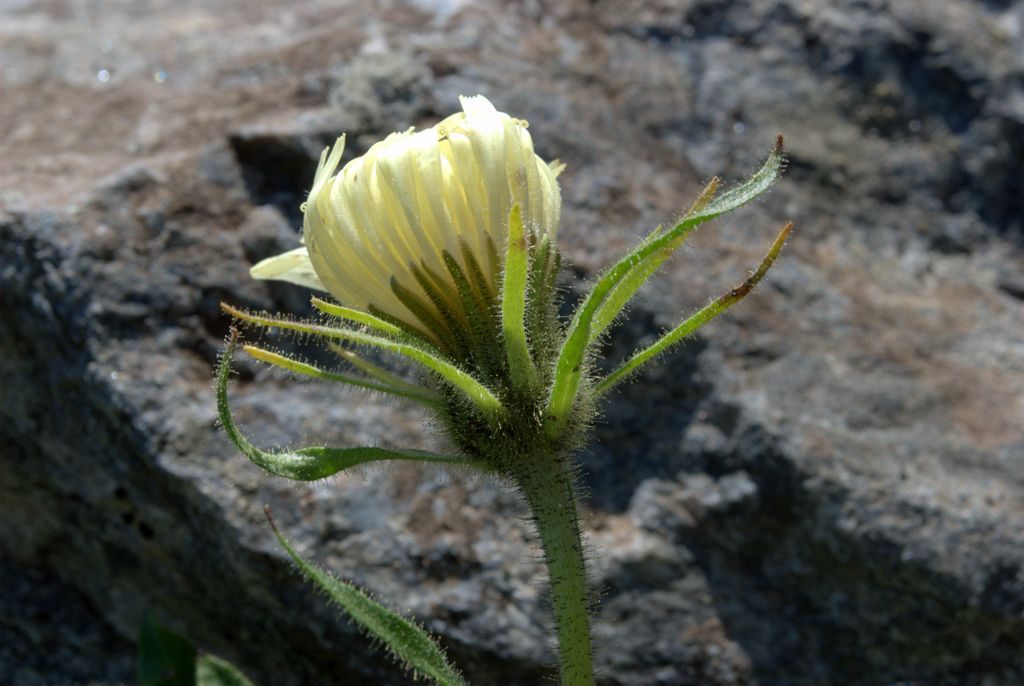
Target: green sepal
x,y
406,390
568,371
474,391
407,642
482,324
568,368
474,301
699,319
429,316
475,273
624,291
513,303
541,314
378,372
445,301
315,462
491,251
413,332
357,316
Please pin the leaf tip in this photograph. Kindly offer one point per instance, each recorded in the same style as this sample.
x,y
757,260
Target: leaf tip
x,y
228,309
270,519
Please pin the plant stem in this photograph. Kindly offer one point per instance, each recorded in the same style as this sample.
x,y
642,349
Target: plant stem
x,y
547,483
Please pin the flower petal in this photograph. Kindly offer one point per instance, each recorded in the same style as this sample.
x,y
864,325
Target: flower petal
x,y
387,220
293,266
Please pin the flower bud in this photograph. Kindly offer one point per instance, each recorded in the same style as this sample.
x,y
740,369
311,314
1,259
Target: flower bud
x,y
387,232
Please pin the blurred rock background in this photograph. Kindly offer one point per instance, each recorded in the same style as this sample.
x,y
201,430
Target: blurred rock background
x,y
825,487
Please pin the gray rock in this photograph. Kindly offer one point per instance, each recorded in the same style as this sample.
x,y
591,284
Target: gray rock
x,y
823,487
52,635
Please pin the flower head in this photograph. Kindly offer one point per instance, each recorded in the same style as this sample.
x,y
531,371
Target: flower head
x,y
440,246
396,230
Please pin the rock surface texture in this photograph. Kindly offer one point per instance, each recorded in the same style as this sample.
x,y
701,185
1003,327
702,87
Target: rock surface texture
x,y
826,486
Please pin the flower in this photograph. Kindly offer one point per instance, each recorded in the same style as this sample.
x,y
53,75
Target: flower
x,y
408,238
398,231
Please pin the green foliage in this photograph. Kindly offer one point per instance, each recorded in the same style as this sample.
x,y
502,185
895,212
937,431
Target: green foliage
x,y
624,291
167,659
513,389
407,642
384,327
306,464
384,376
213,671
402,389
513,304
473,390
571,363
699,319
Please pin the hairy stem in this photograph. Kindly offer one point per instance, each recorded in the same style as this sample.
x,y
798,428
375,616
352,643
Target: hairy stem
x,y
547,482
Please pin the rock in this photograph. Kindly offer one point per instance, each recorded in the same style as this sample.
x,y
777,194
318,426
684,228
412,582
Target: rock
x,y
53,635
821,487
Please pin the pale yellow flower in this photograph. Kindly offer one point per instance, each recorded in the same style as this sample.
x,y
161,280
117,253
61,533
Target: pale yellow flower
x,y
440,246
387,219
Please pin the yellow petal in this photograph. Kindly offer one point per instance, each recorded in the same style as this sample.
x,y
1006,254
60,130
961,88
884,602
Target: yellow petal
x,y
418,196
293,266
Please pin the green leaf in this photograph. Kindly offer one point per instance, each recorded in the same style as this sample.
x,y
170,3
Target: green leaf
x,y
307,464
213,671
165,658
702,317
407,642
624,291
357,316
568,368
406,390
378,372
513,303
568,371
541,316
473,390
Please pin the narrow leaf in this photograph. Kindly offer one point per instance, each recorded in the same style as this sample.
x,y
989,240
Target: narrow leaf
x,y
406,641
357,316
538,294
213,671
420,395
165,658
513,303
568,370
571,356
313,463
415,333
696,321
473,390
540,312
624,291
378,372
